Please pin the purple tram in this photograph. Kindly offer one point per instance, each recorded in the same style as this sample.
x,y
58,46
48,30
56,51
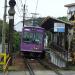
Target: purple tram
x,y
32,42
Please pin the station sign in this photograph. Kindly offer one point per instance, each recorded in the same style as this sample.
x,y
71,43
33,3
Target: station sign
x,y
59,27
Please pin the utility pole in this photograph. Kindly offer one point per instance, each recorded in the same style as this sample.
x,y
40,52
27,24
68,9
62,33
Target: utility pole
x,y
3,28
24,16
11,12
71,17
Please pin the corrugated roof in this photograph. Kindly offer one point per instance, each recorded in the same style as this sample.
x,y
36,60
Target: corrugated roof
x,y
70,5
48,23
55,19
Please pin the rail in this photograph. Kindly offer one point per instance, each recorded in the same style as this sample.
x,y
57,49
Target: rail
x,y
29,67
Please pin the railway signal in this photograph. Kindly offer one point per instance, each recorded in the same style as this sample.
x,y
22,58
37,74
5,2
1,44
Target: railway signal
x,y
12,3
11,12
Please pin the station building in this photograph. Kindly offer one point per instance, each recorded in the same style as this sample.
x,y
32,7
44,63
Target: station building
x,y
59,40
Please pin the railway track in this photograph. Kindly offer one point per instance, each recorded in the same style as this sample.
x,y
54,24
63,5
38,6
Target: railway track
x,y
33,66
27,64
42,63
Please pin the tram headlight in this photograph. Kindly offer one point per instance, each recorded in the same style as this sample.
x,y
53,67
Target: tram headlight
x,y
35,48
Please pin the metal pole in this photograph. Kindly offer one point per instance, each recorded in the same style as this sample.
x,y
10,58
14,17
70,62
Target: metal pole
x,y
11,27
3,28
24,16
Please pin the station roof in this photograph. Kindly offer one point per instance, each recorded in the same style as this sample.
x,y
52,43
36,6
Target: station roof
x,y
70,5
48,22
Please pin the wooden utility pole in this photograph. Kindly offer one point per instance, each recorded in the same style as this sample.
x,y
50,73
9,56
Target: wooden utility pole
x,y
3,27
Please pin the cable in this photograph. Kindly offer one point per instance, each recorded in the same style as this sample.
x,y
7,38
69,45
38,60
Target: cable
x,y
36,6
18,9
25,2
18,14
21,3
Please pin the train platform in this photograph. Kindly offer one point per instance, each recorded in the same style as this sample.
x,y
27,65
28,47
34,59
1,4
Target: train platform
x,y
17,64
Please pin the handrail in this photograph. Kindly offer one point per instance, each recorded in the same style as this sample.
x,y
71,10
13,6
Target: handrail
x,y
4,58
58,54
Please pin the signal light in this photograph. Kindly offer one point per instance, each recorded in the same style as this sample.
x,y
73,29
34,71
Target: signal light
x,y
12,3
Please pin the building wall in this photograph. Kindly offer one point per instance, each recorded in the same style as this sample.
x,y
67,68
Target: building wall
x,y
57,59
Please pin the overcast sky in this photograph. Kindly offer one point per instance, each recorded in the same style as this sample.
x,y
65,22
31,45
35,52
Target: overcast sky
x,y
45,8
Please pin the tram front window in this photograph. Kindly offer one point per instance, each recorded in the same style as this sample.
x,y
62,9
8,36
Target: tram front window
x,y
32,37
38,38
27,36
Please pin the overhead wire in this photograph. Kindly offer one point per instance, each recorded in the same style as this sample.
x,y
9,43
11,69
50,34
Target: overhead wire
x,y
25,2
18,10
21,3
36,6
18,7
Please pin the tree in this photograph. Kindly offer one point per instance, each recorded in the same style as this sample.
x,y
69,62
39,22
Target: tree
x,y
16,41
6,30
64,18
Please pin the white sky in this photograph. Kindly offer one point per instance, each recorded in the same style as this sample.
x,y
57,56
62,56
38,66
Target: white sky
x,y
45,8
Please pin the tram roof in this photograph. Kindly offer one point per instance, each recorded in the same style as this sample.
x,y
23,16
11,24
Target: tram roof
x,y
32,27
48,22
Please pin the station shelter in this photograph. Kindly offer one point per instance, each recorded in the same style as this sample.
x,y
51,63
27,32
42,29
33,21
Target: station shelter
x,y
59,40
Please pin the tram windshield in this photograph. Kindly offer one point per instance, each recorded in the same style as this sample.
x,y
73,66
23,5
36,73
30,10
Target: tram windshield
x,y
32,37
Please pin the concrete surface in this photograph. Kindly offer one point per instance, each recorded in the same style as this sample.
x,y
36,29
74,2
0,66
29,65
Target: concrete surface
x,y
39,73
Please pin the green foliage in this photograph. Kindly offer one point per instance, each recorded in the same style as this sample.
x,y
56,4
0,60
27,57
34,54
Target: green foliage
x,y
64,18
6,29
39,21
16,41
16,36
6,32
1,22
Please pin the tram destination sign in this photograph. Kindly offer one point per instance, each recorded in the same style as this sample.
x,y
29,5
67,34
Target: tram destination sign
x,y
59,27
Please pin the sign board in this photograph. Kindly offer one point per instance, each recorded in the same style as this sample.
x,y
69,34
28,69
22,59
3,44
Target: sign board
x,y
11,17
59,27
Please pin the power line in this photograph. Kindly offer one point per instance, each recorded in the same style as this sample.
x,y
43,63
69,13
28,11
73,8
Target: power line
x,y
25,2
18,14
36,6
18,9
21,3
